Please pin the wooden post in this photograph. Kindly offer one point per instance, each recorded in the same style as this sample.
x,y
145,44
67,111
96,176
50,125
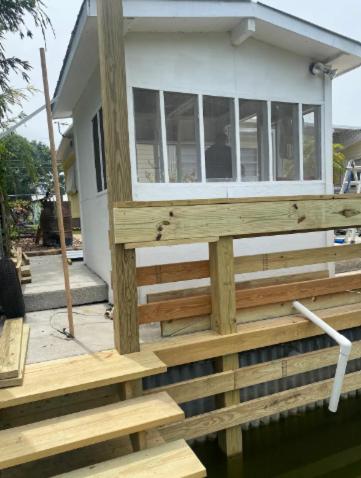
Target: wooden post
x,y
115,112
59,208
223,321
119,183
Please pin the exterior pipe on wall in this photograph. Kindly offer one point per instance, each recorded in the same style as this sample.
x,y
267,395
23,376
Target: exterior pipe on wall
x,y
345,350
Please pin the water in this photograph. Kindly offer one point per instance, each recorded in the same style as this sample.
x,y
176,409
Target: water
x,y
308,445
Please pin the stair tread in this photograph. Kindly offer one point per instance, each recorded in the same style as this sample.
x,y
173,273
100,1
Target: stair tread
x,y
174,460
57,435
51,379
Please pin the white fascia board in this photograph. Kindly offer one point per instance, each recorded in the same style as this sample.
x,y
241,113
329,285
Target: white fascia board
x,y
245,29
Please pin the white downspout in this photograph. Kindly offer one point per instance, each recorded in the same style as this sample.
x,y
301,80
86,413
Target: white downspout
x,y
345,349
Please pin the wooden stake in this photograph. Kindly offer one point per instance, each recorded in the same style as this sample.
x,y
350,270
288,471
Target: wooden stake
x,y
57,193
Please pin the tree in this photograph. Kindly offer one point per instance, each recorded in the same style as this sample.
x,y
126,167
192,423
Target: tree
x,y
338,164
12,20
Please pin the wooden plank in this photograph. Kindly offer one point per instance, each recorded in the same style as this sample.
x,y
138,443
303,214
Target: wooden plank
x,y
162,274
119,181
16,381
171,242
10,348
174,460
257,409
253,335
239,219
215,201
280,260
57,435
86,372
210,385
201,305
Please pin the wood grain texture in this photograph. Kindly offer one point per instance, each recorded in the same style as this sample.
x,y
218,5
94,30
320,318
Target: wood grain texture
x,y
201,305
119,182
85,372
210,385
50,437
10,348
256,409
253,335
243,219
174,460
17,381
170,242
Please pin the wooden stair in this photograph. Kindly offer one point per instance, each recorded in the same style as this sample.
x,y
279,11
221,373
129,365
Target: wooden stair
x,y
174,460
75,374
50,437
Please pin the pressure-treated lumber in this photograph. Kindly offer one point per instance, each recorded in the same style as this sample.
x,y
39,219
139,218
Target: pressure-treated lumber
x,y
253,335
18,380
210,385
171,242
201,305
119,182
162,223
280,260
10,348
256,409
183,271
174,460
85,372
57,435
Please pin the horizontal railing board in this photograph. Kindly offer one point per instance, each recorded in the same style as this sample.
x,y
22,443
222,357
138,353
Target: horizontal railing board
x,y
241,219
200,305
253,335
256,409
210,385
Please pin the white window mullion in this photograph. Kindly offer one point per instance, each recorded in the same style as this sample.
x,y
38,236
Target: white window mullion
x,y
270,142
237,142
201,139
164,137
300,136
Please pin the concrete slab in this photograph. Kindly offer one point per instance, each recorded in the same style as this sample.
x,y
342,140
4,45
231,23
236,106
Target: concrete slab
x,y
46,290
93,333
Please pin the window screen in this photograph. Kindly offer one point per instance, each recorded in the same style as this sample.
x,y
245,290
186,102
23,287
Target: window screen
x,y
253,133
219,138
181,116
285,136
311,117
148,136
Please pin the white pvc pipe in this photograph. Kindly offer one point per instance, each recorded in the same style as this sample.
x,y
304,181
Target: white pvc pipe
x,y
345,350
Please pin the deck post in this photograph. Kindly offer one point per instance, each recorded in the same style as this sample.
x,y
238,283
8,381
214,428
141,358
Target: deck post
x,y
119,181
223,321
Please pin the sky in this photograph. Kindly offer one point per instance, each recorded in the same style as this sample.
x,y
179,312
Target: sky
x,y
340,16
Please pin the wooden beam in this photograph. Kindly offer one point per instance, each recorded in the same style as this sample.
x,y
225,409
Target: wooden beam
x,y
18,380
223,321
242,219
187,307
253,335
115,108
257,409
10,348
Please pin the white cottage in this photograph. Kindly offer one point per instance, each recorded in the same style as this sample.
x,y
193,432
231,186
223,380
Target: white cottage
x,y
225,98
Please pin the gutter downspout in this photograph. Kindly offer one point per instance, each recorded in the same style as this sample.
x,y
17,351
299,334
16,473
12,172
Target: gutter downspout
x,y
345,350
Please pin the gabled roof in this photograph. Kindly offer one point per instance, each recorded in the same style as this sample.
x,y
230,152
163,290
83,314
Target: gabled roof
x,y
271,26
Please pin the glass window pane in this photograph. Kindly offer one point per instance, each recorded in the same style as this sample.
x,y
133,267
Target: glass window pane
x,y
219,138
181,116
285,137
148,136
311,116
253,133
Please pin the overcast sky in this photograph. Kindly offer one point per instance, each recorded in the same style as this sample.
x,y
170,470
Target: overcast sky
x,y
341,16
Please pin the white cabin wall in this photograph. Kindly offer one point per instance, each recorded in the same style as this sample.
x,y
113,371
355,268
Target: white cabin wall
x,y
93,205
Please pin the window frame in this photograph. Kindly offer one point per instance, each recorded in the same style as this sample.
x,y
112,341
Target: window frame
x,y
238,179
99,152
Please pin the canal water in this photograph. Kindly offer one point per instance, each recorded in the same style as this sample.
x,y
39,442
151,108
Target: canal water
x,y
316,443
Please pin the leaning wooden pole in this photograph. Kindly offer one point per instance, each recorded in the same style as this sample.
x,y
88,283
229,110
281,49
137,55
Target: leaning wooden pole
x,y
59,209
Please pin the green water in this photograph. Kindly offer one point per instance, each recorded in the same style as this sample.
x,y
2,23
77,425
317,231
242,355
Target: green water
x,y
308,445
